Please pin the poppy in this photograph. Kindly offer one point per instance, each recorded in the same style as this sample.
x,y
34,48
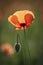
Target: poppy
x,y
21,19
7,49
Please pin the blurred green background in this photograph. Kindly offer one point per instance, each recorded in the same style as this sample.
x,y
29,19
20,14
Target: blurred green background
x,y
34,36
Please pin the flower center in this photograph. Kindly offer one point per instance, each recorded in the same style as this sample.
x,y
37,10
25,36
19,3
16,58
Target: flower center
x,y
23,24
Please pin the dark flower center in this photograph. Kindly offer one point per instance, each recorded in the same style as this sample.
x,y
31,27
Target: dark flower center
x,y
23,24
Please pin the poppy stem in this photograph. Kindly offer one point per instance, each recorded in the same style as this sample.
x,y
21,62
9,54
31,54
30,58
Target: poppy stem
x,y
17,38
27,45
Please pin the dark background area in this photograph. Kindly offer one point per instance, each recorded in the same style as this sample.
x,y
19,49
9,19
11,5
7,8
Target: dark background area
x,y
7,5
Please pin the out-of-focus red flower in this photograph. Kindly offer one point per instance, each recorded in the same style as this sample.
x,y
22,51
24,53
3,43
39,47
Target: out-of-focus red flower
x,y
21,19
7,49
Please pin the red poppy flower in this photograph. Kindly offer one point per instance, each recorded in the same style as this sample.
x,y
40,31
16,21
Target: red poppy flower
x,y
21,19
7,49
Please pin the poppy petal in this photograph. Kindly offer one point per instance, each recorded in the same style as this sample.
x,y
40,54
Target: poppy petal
x,y
14,20
28,19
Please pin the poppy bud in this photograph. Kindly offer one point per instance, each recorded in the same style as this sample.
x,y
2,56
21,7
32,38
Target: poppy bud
x,y
17,47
